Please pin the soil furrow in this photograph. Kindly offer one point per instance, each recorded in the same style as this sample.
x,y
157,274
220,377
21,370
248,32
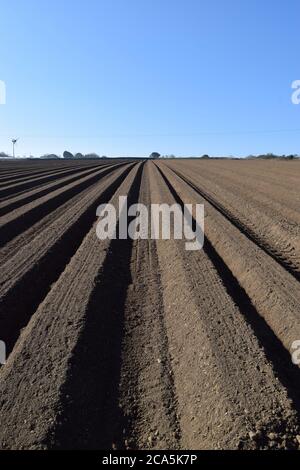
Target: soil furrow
x,y
138,343
59,328
31,195
275,224
19,220
147,392
40,264
279,256
15,188
272,290
229,399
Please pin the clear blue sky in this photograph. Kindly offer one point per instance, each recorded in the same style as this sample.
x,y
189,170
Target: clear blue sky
x,y
127,77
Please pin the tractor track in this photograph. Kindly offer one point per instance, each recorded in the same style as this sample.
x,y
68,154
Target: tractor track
x,y
245,229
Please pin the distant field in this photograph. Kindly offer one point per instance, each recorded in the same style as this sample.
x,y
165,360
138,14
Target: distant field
x,y
140,343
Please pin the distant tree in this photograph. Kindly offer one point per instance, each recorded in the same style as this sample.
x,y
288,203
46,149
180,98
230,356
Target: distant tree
x,y
50,156
269,156
4,155
79,155
104,156
92,155
205,156
68,155
154,155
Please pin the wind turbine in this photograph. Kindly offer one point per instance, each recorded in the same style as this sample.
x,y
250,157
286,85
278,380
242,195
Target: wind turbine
x,y
14,141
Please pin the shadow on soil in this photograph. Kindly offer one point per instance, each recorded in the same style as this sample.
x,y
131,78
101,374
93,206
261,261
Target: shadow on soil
x,y
91,417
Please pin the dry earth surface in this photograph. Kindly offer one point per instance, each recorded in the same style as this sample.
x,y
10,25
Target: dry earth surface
x,y
140,344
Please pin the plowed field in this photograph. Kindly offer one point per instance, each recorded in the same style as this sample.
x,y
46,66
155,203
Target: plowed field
x,y
140,344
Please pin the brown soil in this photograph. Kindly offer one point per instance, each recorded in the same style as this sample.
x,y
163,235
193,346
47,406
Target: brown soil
x,y
140,343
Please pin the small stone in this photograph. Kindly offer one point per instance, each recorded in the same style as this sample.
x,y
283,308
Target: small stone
x,y
298,438
252,434
272,436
